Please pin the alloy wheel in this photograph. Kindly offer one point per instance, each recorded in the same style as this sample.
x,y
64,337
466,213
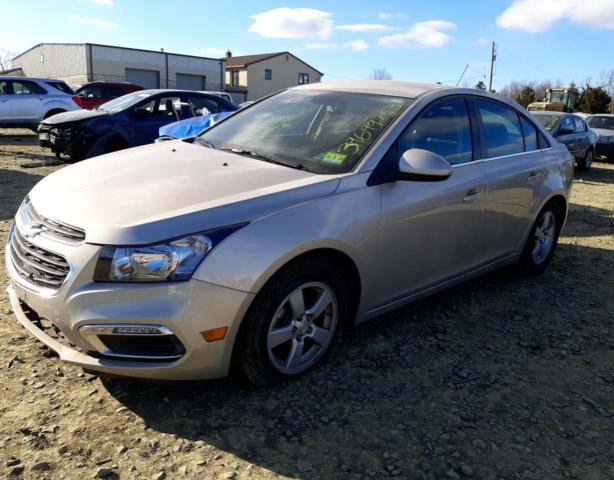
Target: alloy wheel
x,y
544,237
303,328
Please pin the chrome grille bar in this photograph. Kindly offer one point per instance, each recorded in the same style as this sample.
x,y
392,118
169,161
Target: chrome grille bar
x,y
57,229
36,264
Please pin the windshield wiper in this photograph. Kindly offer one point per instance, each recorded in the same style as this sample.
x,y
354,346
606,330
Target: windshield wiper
x,y
254,154
204,142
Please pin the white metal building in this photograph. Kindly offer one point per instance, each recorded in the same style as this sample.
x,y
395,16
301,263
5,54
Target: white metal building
x,y
86,62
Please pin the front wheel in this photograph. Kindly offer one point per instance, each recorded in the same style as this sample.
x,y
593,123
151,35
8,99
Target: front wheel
x,y
542,240
294,323
587,161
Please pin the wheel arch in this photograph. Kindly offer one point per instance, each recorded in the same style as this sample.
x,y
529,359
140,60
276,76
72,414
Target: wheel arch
x,y
53,111
560,201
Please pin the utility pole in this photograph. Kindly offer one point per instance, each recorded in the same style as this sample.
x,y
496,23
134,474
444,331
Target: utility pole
x,y
493,57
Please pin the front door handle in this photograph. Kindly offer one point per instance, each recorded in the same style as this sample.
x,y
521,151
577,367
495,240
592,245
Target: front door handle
x,y
472,195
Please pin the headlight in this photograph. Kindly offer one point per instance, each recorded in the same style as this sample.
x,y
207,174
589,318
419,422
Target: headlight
x,y
606,139
172,261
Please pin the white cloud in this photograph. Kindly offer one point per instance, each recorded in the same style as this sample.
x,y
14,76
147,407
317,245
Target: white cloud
x,y
103,2
95,21
364,27
293,23
421,34
481,41
387,15
356,45
539,15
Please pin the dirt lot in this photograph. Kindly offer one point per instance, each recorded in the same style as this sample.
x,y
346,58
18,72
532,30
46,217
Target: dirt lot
x,y
505,377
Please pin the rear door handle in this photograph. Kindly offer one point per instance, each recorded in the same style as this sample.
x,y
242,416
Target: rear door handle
x,y
472,195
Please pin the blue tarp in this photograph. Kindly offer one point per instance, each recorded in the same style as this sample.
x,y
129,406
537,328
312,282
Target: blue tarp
x,y
191,126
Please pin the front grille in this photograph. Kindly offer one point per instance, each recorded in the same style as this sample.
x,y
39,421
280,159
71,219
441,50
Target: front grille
x,y
35,264
52,227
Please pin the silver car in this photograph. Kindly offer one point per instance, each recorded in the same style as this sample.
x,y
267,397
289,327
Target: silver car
x,y
258,242
26,101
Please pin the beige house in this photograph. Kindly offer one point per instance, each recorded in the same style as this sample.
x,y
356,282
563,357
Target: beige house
x,y
250,77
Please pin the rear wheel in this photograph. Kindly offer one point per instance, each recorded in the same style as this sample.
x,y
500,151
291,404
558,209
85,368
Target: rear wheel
x,y
587,161
294,323
542,240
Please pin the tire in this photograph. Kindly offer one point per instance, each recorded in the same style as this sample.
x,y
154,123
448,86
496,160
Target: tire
x,y
585,163
114,144
279,339
533,259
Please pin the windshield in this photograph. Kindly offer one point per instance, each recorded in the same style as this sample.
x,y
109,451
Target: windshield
x,y
600,121
548,121
121,103
557,97
319,131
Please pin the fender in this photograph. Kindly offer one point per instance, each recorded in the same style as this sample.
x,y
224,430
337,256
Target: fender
x,y
98,146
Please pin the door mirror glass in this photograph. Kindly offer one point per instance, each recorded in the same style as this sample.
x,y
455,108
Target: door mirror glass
x,y
422,165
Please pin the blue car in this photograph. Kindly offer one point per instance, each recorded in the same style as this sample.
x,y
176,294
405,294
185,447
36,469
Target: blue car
x,y
127,121
191,126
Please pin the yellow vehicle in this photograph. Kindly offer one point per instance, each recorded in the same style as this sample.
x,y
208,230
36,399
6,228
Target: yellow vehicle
x,y
557,100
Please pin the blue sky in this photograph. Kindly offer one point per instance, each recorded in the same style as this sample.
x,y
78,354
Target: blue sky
x,y
414,40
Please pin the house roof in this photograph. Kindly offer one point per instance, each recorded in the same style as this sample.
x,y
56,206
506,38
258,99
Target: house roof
x,y
242,61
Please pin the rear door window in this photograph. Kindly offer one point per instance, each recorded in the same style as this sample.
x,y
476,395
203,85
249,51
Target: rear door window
x,y
443,128
204,105
25,87
501,133
529,133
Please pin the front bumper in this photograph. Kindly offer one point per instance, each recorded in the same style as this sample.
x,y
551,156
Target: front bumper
x,y
185,308
71,141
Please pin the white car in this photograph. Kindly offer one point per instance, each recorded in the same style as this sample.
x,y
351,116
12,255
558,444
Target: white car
x,y
25,102
224,95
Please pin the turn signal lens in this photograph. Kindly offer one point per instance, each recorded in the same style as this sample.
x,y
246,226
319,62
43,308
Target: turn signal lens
x,y
214,334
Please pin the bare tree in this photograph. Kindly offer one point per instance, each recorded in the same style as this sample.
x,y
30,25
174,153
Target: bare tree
x,y
380,74
6,58
606,80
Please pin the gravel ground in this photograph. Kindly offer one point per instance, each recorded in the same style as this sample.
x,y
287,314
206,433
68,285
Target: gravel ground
x,y
505,377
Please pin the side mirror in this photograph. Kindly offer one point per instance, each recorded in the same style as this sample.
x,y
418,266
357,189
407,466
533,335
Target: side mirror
x,y
141,112
565,131
423,166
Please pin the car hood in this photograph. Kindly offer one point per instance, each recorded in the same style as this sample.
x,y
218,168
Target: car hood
x,y
603,131
160,191
74,116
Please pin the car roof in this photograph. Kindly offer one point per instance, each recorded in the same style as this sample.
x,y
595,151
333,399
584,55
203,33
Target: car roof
x,y
602,114
155,91
13,77
102,82
377,87
550,113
